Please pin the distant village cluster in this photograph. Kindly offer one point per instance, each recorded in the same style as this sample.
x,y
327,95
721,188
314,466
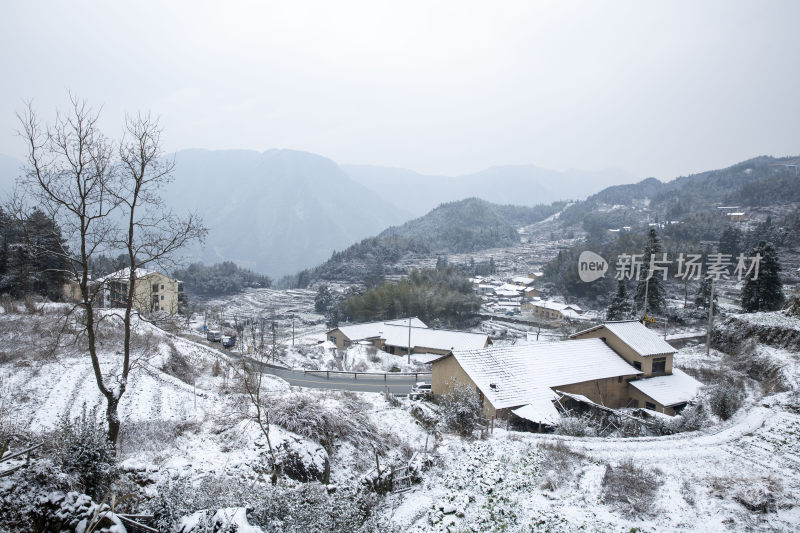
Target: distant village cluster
x,y
518,295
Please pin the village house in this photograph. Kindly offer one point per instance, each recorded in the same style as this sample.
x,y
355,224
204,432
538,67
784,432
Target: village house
x,y
551,311
617,364
153,291
396,336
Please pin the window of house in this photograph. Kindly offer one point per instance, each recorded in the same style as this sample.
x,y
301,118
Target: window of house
x,y
633,403
637,365
162,287
619,379
155,287
346,344
659,365
332,339
162,296
650,405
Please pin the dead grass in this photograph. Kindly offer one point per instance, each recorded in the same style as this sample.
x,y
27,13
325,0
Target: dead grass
x,y
560,465
630,488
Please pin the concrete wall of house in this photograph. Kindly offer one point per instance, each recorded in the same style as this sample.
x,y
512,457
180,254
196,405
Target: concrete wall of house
x,y
643,399
626,352
611,392
72,291
447,372
338,338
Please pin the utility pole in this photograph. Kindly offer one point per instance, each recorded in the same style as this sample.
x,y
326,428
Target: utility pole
x,y
274,353
710,319
292,330
409,340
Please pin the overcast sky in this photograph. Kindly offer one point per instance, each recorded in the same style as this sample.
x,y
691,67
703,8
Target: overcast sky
x,y
654,88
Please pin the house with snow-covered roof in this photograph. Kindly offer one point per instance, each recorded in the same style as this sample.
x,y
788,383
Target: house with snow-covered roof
x,y
526,380
397,336
152,291
551,311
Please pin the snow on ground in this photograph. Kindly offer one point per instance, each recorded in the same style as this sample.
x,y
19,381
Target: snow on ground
x,y
738,475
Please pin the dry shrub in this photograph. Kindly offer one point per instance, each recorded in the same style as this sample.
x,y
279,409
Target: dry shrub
x,y
178,365
31,306
8,303
151,435
629,488
559,465
327,422
576,426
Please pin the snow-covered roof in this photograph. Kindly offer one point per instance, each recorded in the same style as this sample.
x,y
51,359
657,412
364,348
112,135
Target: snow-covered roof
x,y
507,293
124,274
522,279
678,387
370,330
437,339
525,374
556,306
633,333
542,411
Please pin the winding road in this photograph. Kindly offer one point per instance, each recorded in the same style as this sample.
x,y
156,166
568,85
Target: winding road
x,y
320,379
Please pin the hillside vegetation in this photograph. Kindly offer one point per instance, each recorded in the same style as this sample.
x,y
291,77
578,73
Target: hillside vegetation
x,y
458,227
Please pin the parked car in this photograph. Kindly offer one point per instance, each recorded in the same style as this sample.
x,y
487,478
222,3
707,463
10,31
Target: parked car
x,y
420,390
213,335
228,341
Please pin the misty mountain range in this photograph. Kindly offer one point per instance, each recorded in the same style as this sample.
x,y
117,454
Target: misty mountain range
x,y
280,211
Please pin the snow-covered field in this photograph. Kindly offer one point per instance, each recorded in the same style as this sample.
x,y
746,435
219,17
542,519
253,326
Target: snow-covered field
x,y
739,475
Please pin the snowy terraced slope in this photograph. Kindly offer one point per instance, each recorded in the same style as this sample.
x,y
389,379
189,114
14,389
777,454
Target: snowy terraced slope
x,y
45,388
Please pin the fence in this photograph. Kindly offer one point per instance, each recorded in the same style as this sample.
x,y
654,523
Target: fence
x,y
355,375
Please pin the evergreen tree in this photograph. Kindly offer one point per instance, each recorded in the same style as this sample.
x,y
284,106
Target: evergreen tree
x,y
731,241
620,307
323,299
766,292
656,293
703,298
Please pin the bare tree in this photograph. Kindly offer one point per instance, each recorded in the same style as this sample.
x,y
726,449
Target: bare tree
x,y
152,233
251,376
86,186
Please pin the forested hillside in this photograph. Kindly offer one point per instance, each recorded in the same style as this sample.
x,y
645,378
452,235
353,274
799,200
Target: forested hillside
x,y
691,215
457,227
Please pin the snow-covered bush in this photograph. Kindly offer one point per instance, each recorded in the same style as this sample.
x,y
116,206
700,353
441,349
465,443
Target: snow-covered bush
x,y
460,409
692,418
326,420
303,461
559,463
576,426
81,450
629,488
725,399
299,508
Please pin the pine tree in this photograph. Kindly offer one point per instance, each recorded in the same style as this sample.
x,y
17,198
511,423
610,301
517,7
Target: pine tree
x,y
620,307
656,293
703,298
730,242
766,292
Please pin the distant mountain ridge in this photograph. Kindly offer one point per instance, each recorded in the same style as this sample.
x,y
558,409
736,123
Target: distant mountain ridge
x,y
759,181
464,226
526,185
277,211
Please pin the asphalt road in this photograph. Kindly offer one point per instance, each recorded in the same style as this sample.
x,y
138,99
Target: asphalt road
x,y
399,385
317,379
